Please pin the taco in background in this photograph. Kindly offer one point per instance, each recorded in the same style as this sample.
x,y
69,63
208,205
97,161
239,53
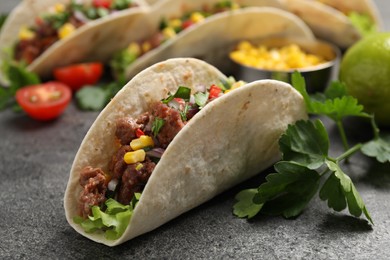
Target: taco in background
x,y
35,28
202,34
152,155
340,22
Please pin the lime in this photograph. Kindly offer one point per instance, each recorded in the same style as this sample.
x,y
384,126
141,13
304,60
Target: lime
x,y
365,70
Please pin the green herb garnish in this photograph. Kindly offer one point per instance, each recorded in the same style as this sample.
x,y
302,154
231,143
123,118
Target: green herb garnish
x,y
158,123
306,161
18,77
181,92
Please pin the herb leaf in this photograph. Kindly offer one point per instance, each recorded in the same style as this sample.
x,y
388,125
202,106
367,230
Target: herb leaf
x,y
306,143
158,123
91,98
288,191
378,148
245,207
181,92
355,203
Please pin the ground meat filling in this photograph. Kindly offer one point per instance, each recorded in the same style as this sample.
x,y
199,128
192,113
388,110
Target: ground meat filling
x,y
128,178
45,36
94,183
173,123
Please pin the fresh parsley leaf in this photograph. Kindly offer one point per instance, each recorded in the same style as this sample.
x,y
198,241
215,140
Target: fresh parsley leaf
x,y
378,148
333,193
288,191
306,142
18,76
336,89
355,203
157,124
91,98
245,207
338,108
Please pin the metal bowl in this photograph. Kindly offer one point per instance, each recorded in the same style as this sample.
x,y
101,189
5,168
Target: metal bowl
x,y
317,77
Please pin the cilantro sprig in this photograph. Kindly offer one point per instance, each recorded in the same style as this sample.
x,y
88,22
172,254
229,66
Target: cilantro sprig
x,y
306,168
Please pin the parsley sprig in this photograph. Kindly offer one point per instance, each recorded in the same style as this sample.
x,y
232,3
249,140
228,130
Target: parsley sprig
x,y
306,168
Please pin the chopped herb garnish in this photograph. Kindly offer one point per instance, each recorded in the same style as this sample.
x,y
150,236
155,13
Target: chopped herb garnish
x,y
157,124
181,92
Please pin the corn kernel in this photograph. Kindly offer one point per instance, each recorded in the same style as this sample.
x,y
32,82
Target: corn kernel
x,y
134,48
134,157
26,34
175,23
59,8
66,30
141,142
197,17
169,32
146,46
139,166
285,58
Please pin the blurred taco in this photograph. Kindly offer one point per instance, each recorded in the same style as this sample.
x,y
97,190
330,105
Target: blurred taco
x,y
37,27
340,22
171,139
193,29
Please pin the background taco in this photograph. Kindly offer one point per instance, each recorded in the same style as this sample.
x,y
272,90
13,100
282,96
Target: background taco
x,y
229,140
340,22
35,28
213,32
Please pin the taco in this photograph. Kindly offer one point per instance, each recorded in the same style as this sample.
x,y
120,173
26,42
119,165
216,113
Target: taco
x,y
35,28
340,22
208,142
170,29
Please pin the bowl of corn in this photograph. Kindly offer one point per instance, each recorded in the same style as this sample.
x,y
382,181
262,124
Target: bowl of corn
x,y
277,58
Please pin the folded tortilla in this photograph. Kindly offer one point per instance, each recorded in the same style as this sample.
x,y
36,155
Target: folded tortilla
x,y
213,39
28,10
329,21
228,141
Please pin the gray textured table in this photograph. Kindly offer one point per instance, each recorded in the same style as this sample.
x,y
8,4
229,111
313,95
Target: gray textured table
x,y
35,159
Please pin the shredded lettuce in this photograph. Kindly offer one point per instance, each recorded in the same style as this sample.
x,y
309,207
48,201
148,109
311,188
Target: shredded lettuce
x,y
363,23
113,221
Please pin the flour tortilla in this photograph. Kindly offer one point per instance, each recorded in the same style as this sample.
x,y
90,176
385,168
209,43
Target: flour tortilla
x,y
230,140
218,33
331,24
213,39
25,13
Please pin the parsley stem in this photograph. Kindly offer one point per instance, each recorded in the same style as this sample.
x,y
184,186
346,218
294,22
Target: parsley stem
x,y
374,127
349,152
342,134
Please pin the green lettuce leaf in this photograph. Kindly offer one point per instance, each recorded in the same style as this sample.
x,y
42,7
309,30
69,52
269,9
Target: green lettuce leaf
x,y
113,221
363,23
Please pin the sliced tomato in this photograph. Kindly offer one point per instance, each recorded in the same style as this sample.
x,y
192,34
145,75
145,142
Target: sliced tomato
x,y
102,3
44,101
186,24
79,75
214,91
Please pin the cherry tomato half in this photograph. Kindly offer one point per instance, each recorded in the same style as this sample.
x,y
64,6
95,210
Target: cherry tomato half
x,y
79,75
102,3
44,101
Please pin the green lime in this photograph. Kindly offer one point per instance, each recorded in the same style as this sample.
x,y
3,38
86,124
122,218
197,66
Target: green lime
x,y
365,70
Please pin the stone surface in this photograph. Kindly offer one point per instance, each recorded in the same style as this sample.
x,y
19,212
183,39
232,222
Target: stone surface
x,y
35,159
